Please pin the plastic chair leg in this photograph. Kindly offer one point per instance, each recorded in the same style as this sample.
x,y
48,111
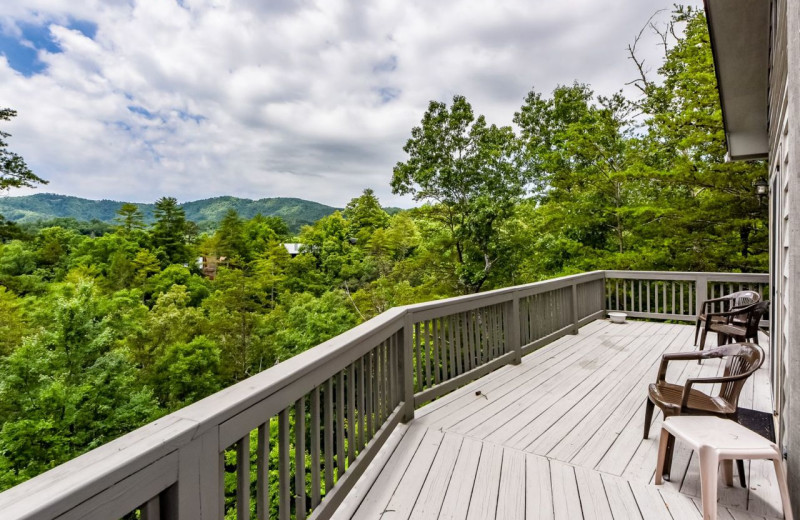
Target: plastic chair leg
x,y
648,417
781,476
709,466
668,457
727,472
740,470
662,453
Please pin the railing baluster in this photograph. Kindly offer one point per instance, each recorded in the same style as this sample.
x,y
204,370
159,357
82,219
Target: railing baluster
x,y
370,397
398,369
379,386
480,335
362,419
341,464
443,350
456,338
351,414
299,459
391,372
435,348
315,452
152,509
451,347
681,298
284,498
427,351
418,360
387,382
328,434
531,319
673,297
624,295
243,478
640,295
471,324
493,332
262,472
462,331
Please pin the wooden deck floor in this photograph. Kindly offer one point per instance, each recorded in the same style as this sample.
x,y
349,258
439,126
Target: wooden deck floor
x,y
559,436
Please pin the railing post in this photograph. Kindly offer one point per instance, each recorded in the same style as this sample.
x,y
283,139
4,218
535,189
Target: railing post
x,y
575,318
701,292
407,368
200,488
513,335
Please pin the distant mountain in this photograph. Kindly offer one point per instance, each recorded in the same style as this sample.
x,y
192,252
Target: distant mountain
x,y
205,213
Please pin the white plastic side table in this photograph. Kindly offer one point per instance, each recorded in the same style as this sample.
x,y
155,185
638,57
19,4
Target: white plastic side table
x,y
720,440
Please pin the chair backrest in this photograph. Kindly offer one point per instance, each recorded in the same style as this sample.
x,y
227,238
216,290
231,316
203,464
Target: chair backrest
x,y
743,298
743,360
750,318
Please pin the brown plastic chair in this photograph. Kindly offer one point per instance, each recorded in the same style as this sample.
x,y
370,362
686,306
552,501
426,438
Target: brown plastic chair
x,y
739,323
728,303
743,359
741,327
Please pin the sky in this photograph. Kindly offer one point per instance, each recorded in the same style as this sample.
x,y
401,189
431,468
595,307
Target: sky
x,y
137,99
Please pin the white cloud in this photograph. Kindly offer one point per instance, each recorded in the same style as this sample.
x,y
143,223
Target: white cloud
x,y
311,99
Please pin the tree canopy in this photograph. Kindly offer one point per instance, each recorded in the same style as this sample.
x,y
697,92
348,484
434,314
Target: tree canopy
x,y
14,173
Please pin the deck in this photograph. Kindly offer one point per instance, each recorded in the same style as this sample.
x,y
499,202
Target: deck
x,y
559,436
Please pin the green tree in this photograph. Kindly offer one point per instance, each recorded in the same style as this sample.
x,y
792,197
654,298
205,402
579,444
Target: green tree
x,y
169,232
305,321
188,372
235,312
270,270
9,230
365,215
232,243
722,225
172,320
470,172
581,155
13,326
129,218
67,389
14,173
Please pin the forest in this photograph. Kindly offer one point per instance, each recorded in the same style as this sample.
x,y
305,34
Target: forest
x,y
105,328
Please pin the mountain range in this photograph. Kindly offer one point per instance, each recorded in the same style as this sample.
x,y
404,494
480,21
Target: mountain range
x,y
205,213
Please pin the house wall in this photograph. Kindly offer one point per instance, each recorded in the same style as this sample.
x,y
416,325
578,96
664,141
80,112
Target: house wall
x,y
784,130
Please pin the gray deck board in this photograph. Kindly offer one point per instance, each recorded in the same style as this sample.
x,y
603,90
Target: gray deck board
x,y
560,436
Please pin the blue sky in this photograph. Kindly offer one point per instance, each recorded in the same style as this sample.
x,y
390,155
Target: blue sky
x,y
135,99
21,43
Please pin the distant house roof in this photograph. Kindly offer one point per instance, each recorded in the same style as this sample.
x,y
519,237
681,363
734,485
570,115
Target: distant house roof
x,y
292,248
740,41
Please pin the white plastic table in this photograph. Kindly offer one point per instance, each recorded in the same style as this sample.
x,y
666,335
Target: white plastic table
x,y
720,440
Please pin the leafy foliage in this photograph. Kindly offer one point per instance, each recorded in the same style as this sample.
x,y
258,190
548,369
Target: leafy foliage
x,y
470,171
14,173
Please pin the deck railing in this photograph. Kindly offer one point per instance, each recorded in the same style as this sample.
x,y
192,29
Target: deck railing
x,y
290,442
674,295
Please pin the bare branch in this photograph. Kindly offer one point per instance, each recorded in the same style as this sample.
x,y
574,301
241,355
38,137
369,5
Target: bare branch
x,y
642,82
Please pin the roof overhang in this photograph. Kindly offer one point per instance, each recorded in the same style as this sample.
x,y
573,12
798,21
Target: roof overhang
x,y
740,36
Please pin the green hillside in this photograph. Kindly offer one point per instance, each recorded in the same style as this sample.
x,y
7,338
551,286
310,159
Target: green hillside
x,y
206,213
